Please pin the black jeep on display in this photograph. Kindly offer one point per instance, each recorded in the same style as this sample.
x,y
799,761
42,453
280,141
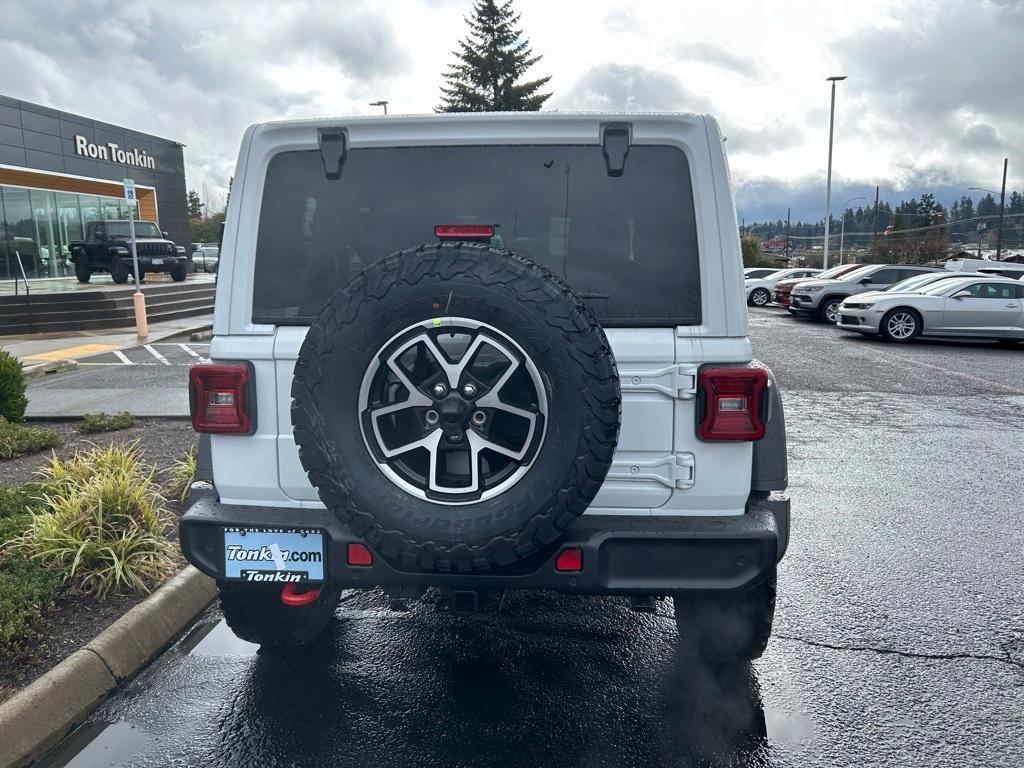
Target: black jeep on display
x,y
108,248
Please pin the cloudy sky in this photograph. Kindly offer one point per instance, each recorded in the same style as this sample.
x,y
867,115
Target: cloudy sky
x,y
934,99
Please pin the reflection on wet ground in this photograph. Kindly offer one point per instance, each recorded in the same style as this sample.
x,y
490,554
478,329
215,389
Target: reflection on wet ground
x,y
550,681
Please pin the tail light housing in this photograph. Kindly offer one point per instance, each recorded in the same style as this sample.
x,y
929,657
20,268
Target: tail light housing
x,y
734,403
222,398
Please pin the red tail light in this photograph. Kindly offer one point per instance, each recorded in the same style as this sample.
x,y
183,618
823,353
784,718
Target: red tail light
x,y
463,231
733,403
222,398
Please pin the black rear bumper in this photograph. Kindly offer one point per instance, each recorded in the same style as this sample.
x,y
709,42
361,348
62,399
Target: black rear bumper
x,y
621,555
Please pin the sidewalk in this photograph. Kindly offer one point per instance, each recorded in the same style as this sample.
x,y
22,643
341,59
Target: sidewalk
x,y
37,351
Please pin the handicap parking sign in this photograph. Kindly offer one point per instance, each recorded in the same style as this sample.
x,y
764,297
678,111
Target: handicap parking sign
x,y
129,191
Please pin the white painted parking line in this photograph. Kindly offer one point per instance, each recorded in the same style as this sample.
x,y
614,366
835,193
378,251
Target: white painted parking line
x,y
122,357
156,354
189,349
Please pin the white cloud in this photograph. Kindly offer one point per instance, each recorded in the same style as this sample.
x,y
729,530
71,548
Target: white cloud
x,y
933,95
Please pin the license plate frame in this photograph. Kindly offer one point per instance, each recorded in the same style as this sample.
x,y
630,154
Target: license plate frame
x,y
274,555
157,262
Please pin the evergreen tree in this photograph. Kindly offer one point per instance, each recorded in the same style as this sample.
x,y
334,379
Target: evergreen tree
x,y
491,61
193,205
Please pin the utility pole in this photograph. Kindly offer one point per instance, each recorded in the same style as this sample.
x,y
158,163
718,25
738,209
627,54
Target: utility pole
x,y
787,236
874,227
828,181
1002,203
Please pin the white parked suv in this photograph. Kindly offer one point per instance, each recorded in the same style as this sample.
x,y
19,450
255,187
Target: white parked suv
x,y
484,352
760,290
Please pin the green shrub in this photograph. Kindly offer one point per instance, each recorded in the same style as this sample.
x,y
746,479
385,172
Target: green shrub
x,y
61,474
12,388
27,587
27,590
17,439
182,474
104,528
105,422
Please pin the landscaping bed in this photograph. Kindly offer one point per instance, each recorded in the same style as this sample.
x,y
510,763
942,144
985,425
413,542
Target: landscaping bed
x,y
54,608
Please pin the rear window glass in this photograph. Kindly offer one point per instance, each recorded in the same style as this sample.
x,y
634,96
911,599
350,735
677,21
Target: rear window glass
x,y
627,245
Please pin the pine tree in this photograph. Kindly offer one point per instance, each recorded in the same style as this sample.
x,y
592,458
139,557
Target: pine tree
x,y
491,60
193,205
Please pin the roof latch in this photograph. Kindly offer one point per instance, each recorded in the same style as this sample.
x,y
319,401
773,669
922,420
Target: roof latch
x,y
333,149
615,145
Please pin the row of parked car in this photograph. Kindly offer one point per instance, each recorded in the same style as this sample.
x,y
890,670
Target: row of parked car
x,y
899,302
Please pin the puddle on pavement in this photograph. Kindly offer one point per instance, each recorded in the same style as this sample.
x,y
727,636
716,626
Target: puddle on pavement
x,y
214,638
97,744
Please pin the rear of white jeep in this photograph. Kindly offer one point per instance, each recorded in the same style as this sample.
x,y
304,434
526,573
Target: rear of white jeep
x,y
483,352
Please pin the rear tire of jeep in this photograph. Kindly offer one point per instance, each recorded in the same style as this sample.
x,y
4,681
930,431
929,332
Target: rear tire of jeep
x,y
531,334
119,273
255,613
726,627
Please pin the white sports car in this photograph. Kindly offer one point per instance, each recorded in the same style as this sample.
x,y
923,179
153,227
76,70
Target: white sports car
x,y
759,290
976,307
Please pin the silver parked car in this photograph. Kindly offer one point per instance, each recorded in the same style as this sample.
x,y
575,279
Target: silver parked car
x,y
205,257
820,299
975,307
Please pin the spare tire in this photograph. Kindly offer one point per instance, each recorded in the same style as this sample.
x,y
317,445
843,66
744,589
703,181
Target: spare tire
x,y
457,406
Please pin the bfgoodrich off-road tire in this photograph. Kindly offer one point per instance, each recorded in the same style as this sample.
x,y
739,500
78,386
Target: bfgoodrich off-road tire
x,y
255,613
119,272
728,626
82,272
435,287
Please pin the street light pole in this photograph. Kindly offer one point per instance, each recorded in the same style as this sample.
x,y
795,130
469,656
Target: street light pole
x,y
381,103
787,234
842,230
828,181
1002,205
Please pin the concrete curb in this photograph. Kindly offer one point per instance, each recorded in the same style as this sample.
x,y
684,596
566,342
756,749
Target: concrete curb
x,y
36,370
37,717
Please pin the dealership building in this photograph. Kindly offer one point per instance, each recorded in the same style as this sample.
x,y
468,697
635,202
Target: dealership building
x,y
60,171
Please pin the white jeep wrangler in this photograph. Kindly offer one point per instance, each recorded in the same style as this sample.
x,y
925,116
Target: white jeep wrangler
x,y
484,352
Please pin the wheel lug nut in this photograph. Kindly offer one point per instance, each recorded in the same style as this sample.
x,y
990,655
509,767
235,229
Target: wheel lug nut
x,y
469,390
431,417
440,390
479,417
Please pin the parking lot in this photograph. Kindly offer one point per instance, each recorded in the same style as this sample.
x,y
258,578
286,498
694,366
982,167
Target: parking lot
x,y
899,633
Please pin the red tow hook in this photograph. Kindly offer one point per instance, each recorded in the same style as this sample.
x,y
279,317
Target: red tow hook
x,y
289,596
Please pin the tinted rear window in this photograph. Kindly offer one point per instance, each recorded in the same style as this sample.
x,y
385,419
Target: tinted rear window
x,y
627,244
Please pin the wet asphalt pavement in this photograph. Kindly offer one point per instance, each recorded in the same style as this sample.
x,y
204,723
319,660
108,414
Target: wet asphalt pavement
x,y
899,633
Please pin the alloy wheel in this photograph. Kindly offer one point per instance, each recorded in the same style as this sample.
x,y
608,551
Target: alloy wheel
x,y
901,326
453,412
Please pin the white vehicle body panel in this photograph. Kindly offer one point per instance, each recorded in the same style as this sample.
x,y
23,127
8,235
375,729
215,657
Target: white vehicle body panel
x,y
659,468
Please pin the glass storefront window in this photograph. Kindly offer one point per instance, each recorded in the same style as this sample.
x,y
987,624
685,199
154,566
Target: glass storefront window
x,y
21,233
47,231
70,217
41,225
90,205
111,208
